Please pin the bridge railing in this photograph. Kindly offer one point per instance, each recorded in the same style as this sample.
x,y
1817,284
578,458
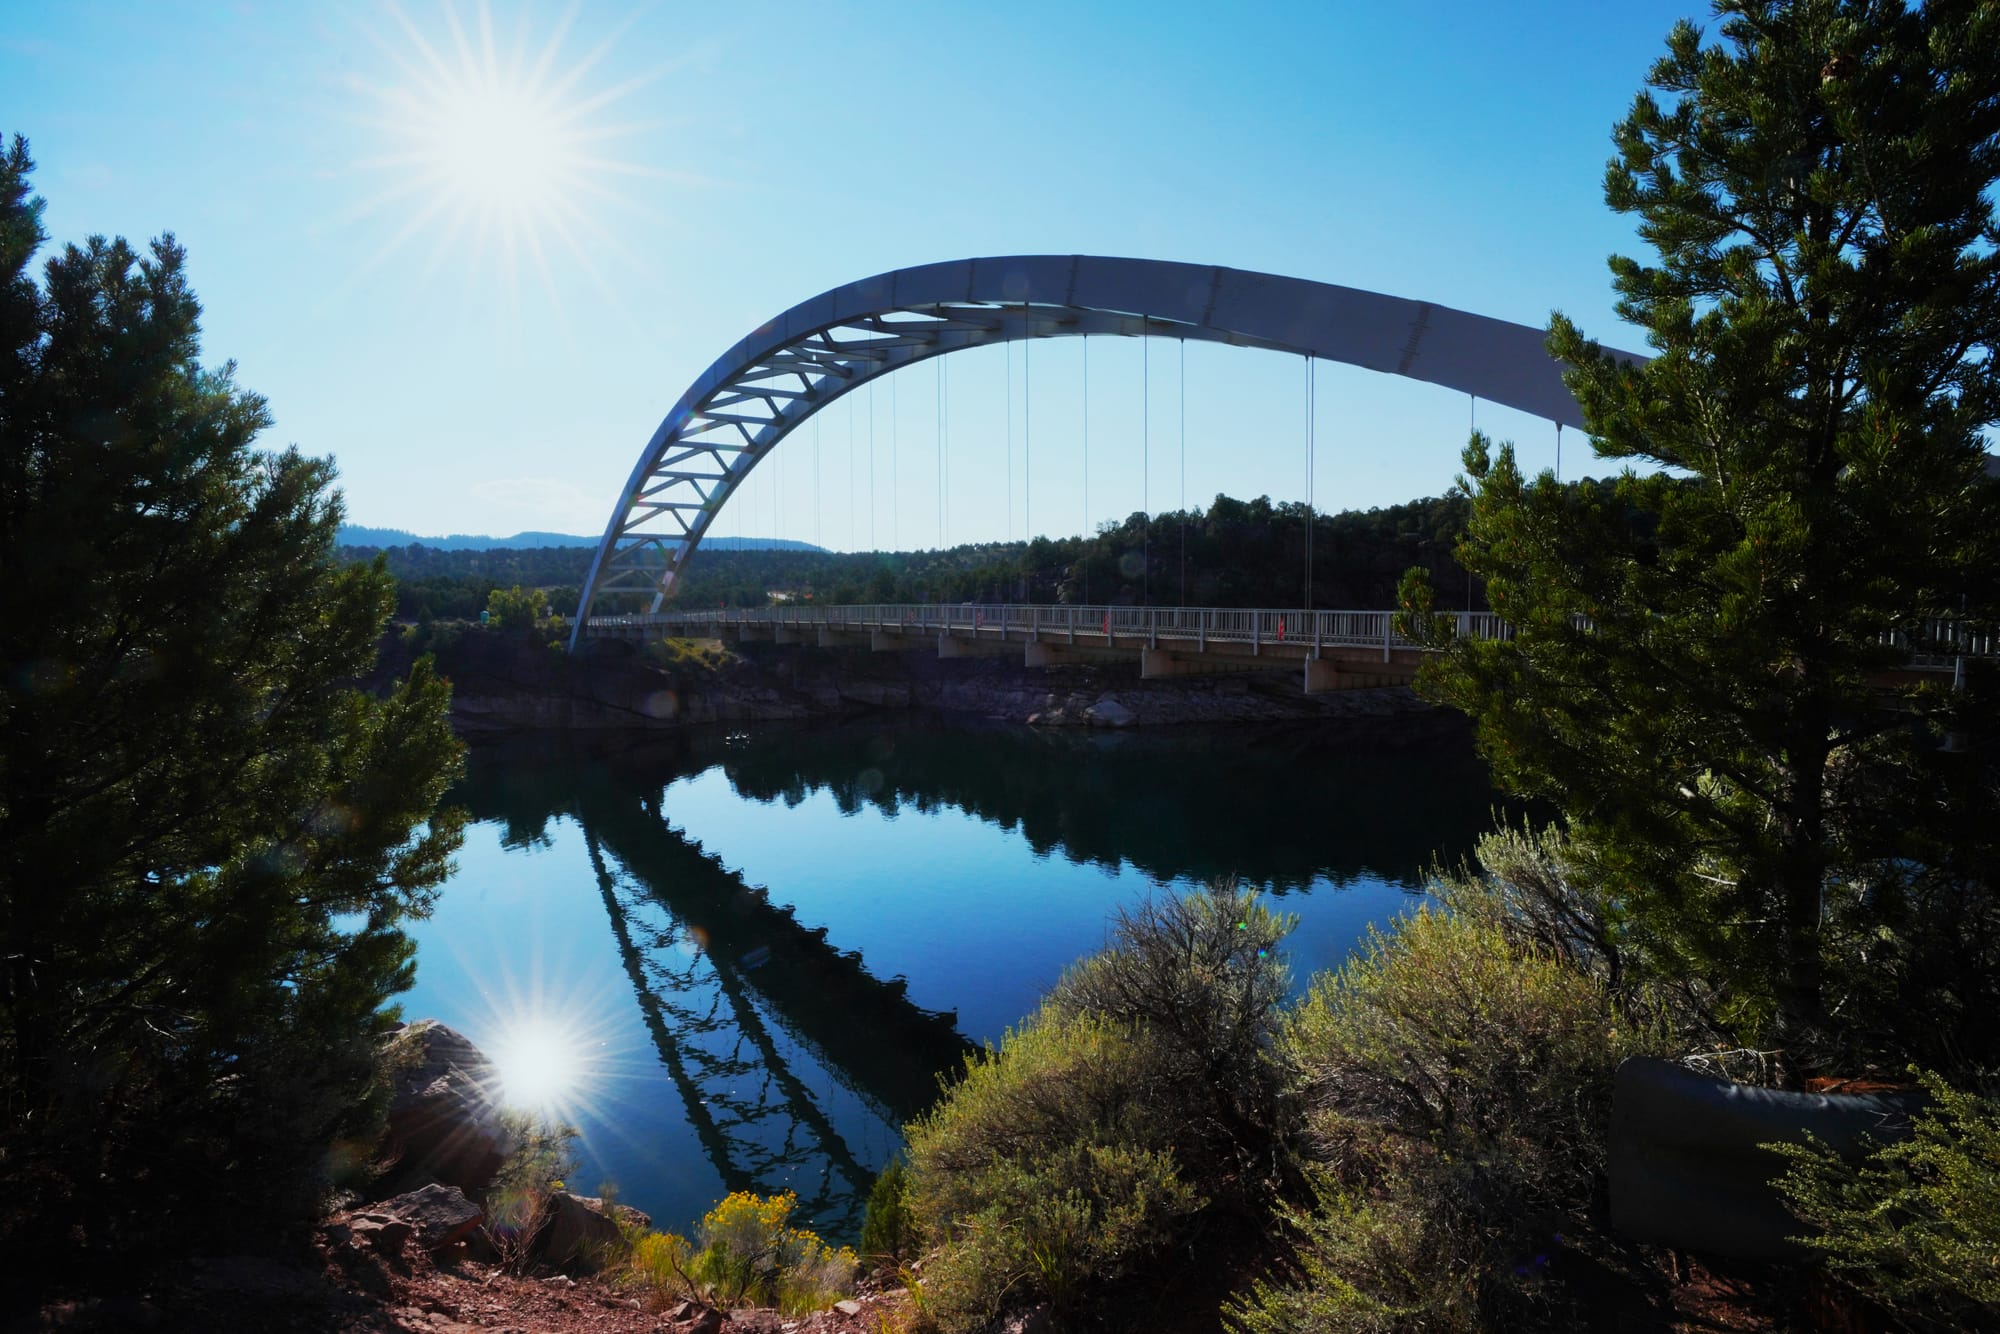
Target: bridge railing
x,y
1120,624
1939,639
1934,642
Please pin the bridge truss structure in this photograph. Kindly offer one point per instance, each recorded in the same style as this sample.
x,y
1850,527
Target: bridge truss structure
x,y
774,380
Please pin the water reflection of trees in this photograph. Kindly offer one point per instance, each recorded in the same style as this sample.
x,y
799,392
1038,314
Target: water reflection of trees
x,y
781,1049
1282,808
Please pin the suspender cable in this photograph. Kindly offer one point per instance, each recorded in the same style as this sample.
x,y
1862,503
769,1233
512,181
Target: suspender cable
x,y
1312,420
938,367
895,478
853,474
1559,451
1183,379
1145,468
1471,429
818,499
871,467
1010,442
1027,446
944,407
1086,469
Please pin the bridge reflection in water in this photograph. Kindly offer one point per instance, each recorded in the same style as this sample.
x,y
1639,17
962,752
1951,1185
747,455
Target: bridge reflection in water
x,y
754,1016
793,1064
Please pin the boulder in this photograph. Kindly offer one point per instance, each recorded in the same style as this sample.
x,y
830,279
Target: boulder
x,y
439,1215
576,1232
445,1122
381,1232
1108,712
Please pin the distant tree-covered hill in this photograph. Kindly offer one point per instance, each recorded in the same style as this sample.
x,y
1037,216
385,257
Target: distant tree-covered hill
x,y
1233,554
360,535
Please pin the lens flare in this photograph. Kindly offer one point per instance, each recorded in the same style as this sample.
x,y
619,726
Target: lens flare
x,y
497,150
540,1064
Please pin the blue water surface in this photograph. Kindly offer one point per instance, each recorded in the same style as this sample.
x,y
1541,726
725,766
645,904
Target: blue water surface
x,y
741,960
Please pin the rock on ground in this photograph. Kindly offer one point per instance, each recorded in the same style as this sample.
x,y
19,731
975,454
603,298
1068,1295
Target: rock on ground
x,y
575,1231
445,1122
438,1215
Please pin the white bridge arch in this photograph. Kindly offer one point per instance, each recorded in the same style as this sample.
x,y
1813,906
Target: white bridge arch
x,y
760,390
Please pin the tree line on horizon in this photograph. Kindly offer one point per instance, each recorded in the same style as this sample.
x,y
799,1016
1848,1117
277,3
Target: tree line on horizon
x,y
1234,553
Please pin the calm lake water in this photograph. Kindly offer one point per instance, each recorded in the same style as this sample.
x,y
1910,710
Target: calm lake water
x,y
740,960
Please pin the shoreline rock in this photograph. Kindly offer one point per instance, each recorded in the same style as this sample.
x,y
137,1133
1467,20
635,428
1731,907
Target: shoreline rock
x,y
504,686
445,1122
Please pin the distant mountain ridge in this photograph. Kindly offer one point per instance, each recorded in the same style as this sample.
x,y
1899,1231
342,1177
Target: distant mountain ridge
x,y
360,535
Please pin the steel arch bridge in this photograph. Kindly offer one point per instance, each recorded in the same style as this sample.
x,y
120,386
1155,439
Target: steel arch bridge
x,y
771,382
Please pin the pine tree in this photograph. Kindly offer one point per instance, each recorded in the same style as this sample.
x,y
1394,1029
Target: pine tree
x,y
1701,677
207,836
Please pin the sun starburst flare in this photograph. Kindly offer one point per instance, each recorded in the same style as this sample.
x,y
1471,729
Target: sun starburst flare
x,y
501,152
540,1063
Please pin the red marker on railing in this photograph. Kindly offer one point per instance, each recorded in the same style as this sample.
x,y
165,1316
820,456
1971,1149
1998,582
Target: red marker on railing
x,y
1107,625
1281,629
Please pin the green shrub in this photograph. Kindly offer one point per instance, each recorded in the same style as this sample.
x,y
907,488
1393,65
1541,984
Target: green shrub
x,y
1045,1169
1442,1027
1542,889
1917,1225
885,1225
693,655
1458,1085
438,638
1385,1243
750,1254
663,1262
1200,977
521,611
543,1160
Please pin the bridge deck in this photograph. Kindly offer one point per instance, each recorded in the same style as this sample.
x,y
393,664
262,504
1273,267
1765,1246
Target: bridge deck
x,y
1340,649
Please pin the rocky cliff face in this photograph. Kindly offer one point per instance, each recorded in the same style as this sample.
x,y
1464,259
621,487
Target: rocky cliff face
x,y
502,686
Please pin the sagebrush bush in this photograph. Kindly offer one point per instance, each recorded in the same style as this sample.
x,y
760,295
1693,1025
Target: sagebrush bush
x,y
543,1160
1200,979
1045,1168
1458,1085
1916,1225
1542,888
1442,1027
1362,1265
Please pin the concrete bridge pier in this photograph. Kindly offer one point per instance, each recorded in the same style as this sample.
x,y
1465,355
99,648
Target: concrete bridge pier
x,y
1041,653
1344,671
1157,662
1323,675
967,646
1213,660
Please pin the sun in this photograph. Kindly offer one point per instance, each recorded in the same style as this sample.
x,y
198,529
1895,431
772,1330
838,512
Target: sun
x,y
500,149
497,149
540,1065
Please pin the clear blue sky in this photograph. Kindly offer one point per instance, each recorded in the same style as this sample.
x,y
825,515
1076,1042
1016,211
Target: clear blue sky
x,y
717,163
